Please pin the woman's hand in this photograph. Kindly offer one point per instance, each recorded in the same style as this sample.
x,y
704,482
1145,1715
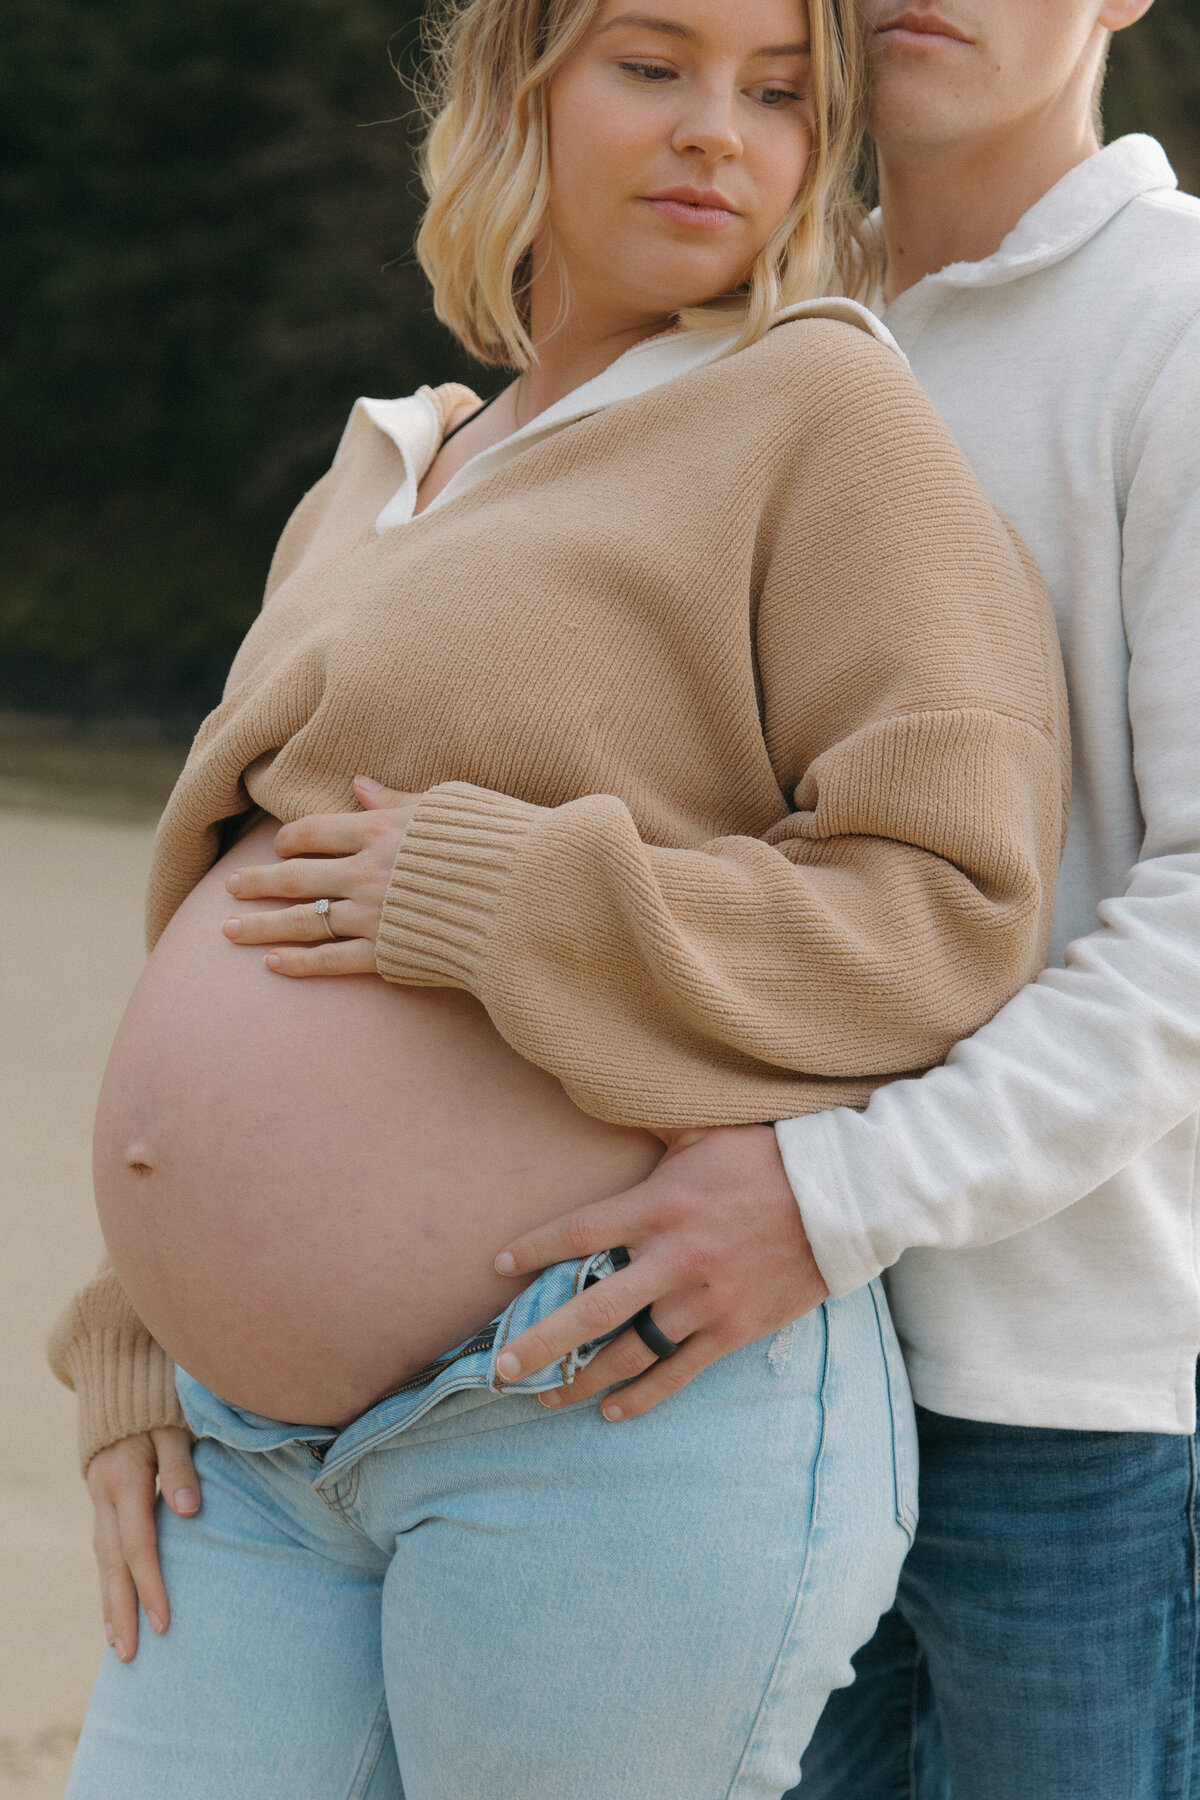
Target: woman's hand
x,y
121,1481
718,1250
354,853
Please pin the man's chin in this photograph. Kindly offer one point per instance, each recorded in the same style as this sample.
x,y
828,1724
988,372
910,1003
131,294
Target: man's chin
x,y
917,108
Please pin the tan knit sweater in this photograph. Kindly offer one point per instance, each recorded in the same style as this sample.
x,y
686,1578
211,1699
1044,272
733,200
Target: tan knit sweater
x,y
743,724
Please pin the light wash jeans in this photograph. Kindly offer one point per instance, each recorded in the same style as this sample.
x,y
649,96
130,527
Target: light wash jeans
x,y
464,1596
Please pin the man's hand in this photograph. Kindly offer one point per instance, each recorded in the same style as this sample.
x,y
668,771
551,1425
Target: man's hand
x,y
352,857
717,1247
122,1481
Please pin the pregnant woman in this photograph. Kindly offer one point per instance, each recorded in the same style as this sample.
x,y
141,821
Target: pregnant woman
x,y
675,741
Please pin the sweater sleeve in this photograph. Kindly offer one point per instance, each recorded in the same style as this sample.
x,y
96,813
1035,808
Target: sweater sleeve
x,y
912,714
125,1381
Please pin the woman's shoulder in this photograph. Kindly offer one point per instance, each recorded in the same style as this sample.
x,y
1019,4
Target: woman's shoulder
x,y
827,384
827,380
839,310
381,441
825,350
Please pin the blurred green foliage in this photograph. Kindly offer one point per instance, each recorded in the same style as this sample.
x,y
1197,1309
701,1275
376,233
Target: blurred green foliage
x,y
207,212
1154,84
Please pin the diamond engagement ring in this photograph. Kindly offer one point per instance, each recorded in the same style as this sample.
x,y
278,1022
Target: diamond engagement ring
x,y
321,908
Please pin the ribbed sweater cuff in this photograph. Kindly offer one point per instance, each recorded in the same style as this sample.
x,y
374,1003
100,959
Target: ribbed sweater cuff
x,y
447,885
125,1384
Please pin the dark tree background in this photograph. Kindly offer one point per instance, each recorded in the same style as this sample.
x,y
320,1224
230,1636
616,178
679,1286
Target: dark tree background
x,y
207,215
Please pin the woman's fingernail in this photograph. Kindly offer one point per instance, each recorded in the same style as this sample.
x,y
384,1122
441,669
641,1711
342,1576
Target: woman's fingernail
x,y
364,781
508,1366
506,1263
187,1500
109,1634
271,960
551,1399
156,1622
612,1412
119,1647
233,884
232,928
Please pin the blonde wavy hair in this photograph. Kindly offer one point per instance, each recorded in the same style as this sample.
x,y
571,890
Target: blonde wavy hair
x,y
485,166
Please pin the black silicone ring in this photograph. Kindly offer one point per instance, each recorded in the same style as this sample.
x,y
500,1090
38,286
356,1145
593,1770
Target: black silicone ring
x,y
654,1339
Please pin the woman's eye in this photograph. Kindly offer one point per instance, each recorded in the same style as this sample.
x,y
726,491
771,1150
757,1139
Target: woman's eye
x,y
648,71
775,96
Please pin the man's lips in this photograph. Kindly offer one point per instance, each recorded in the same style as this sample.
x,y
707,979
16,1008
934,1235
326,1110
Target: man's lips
x,y
920,31
702,208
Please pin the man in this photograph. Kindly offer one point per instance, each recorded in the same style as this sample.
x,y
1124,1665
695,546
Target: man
x,y
1034,1199
1044,1640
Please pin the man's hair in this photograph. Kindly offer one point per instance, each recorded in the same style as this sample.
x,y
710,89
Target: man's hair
x,y
485,167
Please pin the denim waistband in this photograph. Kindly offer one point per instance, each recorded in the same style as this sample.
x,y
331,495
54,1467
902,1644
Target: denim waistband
x,y
471,1364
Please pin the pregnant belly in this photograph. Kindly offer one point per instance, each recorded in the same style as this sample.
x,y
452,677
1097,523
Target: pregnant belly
x,y
303,1185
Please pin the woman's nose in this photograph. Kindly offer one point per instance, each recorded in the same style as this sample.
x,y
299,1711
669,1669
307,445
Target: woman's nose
x,y
710,125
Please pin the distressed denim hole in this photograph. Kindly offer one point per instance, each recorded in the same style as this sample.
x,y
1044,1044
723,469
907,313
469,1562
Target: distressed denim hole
x,y
779,1350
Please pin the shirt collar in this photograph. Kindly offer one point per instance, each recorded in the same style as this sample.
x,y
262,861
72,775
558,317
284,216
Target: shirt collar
x,y
1063,220
414,427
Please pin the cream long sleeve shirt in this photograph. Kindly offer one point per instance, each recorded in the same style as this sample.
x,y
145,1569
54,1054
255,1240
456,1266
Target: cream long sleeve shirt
x,y
1035,1199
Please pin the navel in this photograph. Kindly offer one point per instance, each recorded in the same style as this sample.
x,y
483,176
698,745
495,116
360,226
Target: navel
x,y
138,1160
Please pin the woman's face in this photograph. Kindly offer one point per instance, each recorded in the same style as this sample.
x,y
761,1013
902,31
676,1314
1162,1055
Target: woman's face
x,y
680,131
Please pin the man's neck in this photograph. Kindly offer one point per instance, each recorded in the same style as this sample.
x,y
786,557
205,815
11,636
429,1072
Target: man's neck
x,y
957,202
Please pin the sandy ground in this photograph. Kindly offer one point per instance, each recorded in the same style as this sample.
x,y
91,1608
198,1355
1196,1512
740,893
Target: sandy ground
x,y
71,902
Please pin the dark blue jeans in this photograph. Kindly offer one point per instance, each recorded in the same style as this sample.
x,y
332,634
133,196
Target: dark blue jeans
x,y
1043,1644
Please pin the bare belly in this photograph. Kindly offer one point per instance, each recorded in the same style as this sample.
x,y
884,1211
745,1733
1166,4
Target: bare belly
x,y
303,1185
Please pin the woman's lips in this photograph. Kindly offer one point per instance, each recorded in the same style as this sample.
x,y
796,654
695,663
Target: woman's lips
x,y
703,211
